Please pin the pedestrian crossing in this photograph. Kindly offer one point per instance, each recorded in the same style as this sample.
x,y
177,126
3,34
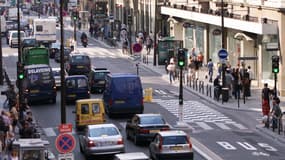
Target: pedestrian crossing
x,y
199,116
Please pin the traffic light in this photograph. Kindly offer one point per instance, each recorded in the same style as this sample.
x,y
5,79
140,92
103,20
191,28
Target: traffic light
x,y
20,69
181,57
275,64
74,15
130,20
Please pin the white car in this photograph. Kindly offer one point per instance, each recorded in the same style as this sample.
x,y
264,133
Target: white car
x,y
56,75
13,38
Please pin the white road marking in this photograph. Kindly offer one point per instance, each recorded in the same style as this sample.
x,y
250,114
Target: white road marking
x,y
204,125
222,126
239,126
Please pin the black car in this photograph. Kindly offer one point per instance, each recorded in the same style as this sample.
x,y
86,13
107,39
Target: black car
x,y
29,42
78,64
143,127
67,51
97,79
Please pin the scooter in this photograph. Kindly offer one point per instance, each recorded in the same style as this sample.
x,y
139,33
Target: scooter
x,y
84,42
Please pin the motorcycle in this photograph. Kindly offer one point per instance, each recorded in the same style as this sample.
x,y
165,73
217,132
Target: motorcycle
x,y
84,42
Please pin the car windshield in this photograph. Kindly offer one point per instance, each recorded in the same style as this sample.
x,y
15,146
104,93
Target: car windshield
x,y
151,120
170,140
80,59
29,41
103,131
100,75
15,35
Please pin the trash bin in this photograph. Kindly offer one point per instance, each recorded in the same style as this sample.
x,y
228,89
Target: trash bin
x,y
225,94
148,95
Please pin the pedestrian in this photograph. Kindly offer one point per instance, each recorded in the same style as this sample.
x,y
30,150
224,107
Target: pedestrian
x,y
217,88
125,46
200,59
275,112
14,115
265,96
91,30
149,42
251,77
245,84
171,71
210,67
228,81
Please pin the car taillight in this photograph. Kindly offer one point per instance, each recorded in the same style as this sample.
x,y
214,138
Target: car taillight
x,y
189,142
110,102
91,143
120,141
164,129
160,144
144,131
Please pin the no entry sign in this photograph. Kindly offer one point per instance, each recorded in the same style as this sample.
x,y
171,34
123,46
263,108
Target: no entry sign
x,y
65,143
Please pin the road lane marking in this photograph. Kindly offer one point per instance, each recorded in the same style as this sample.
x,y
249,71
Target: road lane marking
x,y
239,126
222,126
204,125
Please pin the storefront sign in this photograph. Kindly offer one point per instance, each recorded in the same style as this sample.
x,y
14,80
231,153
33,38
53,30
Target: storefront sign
x,y
217,32
273,46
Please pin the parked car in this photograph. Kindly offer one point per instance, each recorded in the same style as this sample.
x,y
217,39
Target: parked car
x,y
56,75
88,112
97,79
171,145
143,127
131,156
101,139
78,64
76,88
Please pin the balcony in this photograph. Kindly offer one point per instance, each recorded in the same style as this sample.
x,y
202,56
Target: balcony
x,y
239,22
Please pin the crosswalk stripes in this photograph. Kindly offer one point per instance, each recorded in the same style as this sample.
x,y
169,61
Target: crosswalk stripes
x,y
200,116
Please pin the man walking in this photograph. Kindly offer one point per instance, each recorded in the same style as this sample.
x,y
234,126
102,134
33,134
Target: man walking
x,y
210,67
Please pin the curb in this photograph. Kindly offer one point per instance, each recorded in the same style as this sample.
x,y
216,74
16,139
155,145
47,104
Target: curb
x,y
272,135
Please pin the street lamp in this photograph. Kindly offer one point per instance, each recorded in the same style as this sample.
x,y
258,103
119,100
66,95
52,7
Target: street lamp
x,y
62,74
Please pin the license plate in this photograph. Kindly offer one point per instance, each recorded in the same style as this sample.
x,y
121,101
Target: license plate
x,y
80,66
71,95
101,82
119,102
154,131
34,91
176,148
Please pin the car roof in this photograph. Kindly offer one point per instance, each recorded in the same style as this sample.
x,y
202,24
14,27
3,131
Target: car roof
x,y
172,133
101,125
76,76
90,99
132,156
55,69
119,75
100,70
148,115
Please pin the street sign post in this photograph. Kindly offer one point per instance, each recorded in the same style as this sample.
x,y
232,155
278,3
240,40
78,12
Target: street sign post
x,y
64,128
223,54
68,156
137,47
65,143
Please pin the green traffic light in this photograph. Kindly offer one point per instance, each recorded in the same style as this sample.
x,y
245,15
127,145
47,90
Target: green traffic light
x,y
21,76
276,70
181,63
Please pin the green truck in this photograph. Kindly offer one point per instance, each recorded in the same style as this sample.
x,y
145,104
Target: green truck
x,y
35,55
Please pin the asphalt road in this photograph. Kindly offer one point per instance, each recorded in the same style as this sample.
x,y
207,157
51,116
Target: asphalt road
x,y
217,133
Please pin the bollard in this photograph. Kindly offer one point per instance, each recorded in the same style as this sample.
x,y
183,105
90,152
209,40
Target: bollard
x,y
202,87
210,91
207,90
196,84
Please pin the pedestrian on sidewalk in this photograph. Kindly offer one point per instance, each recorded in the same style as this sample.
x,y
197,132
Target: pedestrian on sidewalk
x,y
91,30
149,42
210,67
251,77
171,71
265,96
275,112
217,88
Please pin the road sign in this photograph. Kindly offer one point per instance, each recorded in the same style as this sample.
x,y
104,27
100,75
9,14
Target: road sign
x,y
64,128
65,143
137,47
223,54
68,156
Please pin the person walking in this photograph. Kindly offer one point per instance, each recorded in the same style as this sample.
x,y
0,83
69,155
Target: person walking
x,y
210,67
275,112
149,42
251,77
171,71
265,97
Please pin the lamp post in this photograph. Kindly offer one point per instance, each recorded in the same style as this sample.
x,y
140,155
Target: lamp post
x,y
62,74
155,34
223,41
1,61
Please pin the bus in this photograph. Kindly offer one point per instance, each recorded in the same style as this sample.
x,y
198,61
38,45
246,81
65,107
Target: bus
x,y
39,83
35,55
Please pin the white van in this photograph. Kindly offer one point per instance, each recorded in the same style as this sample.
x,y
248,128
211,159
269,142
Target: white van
x,y
13,38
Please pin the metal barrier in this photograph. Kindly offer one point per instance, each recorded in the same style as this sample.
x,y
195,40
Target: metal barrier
x,y
209,90
201,87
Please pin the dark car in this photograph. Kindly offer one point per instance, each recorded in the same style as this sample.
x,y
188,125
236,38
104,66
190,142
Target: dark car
x,y
67,51
143,127
78,64
76,88
169,145
97,79
29,42
54,48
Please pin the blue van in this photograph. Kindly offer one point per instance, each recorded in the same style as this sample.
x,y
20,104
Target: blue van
x,y
76,88
123,94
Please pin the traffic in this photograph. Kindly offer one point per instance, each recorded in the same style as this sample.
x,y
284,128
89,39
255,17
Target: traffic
x,y
108,112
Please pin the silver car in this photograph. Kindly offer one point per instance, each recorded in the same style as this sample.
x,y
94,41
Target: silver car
x,y
171,145
101,139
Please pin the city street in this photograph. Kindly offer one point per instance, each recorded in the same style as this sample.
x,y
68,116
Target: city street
x,y
217,133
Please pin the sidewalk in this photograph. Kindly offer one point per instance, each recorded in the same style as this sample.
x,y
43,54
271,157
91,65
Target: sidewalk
x,y
252,104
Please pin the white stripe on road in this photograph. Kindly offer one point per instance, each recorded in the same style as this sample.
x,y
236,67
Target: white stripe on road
x,y
204,125
239,126
49,132
222,126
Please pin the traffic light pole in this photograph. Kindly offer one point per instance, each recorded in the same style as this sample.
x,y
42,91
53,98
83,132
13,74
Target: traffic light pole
x,y
74,32
1,61
275,83
62,74
180,96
